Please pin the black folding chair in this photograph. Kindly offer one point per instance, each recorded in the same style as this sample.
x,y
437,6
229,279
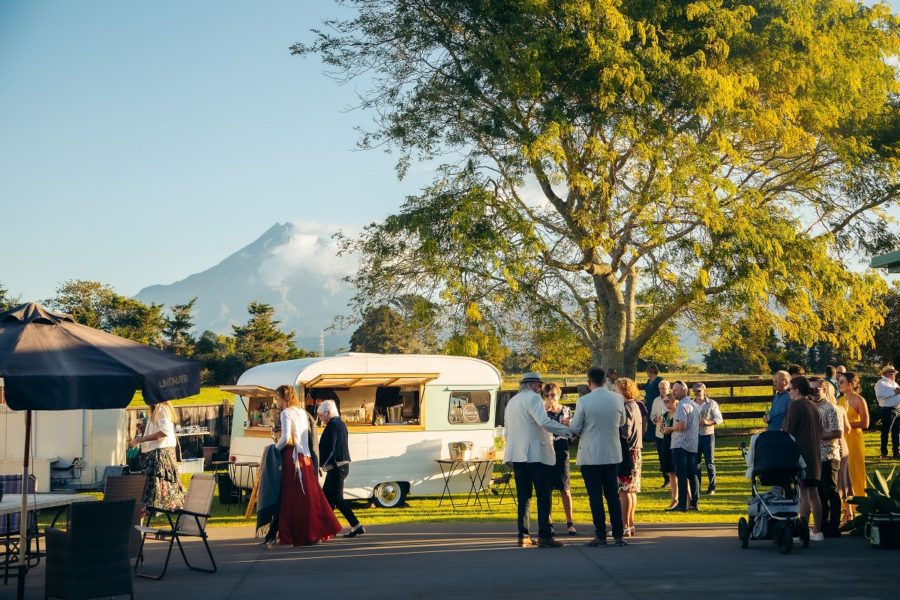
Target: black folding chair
x,y
189,521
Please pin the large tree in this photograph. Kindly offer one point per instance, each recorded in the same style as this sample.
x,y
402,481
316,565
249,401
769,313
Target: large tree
x,y
178,329
260,340
724,154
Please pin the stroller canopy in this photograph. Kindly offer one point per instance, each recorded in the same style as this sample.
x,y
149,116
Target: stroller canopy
x,y
775,451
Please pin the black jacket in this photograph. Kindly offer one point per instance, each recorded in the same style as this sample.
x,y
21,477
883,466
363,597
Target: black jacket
x,y
333,443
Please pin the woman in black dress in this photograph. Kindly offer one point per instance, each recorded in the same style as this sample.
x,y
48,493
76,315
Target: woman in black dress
x,y
559,479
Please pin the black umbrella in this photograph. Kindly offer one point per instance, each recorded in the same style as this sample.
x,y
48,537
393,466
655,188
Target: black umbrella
x,y
50,362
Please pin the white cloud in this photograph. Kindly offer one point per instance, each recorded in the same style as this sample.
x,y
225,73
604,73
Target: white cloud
x,y
310,248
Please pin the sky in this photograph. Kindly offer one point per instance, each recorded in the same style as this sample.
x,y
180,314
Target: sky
x,y
141,142
144,142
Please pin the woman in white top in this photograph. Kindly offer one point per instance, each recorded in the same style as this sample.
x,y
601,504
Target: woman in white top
x,y
164,488
304,514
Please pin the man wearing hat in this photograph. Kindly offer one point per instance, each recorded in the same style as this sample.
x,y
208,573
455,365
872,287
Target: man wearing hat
x,y
529,448
887,392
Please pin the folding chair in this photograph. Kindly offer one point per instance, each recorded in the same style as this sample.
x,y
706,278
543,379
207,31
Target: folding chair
x,y
189,521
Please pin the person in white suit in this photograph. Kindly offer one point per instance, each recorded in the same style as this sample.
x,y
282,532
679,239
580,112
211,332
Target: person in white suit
x,y
529,448
598,416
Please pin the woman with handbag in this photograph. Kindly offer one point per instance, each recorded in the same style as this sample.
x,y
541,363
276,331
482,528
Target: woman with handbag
x,y
304,515
334,454
164,488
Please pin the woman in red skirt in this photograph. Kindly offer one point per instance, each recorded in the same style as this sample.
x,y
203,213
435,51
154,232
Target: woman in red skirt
x,y
305,517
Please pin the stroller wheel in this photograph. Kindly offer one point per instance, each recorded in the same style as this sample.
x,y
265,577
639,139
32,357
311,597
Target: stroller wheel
x,y
744,532
801,527
783,536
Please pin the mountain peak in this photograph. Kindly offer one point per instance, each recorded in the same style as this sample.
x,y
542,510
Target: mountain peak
x,y
293,266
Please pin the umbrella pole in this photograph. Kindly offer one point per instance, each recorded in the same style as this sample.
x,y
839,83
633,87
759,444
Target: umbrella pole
x,y
23,523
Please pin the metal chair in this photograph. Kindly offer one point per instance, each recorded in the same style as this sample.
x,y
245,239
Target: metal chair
x,y
128,487
91,558
189,521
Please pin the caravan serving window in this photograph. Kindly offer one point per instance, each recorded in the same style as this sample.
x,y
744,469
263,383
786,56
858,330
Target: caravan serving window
x,y
469,408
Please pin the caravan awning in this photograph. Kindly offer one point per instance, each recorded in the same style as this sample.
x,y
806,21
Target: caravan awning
x,y
251,391
369,380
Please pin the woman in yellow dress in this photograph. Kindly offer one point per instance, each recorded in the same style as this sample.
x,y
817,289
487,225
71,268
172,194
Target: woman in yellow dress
x,y
858,414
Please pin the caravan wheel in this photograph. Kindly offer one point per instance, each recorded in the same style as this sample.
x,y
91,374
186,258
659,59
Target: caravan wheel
x,y
389,495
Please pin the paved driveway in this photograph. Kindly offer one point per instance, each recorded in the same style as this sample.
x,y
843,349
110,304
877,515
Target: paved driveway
x,y
482,561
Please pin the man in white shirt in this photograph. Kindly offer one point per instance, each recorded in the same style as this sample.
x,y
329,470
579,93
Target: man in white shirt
x,y
685,435
887,392
529,448
656,413
710,416
598,416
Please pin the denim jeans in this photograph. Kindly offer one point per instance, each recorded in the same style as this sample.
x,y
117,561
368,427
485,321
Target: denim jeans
x,y
686,471
706,449
600,482
530,475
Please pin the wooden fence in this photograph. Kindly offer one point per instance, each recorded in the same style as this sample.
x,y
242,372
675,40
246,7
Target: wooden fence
x,y
743,401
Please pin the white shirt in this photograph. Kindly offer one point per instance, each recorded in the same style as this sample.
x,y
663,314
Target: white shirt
x,y
294,426
885,393
161,421
710,411
657,410
598,416
529,431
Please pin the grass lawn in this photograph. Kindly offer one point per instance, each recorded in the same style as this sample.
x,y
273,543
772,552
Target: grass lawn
x,y
729,503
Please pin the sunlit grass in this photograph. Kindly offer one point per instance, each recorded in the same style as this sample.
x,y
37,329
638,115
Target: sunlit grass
x,y
726,506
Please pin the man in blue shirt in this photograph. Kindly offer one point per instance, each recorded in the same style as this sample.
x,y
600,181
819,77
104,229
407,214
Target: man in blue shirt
x,y
781,381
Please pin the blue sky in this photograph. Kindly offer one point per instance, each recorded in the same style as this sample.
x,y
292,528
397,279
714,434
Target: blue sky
x,y
145,141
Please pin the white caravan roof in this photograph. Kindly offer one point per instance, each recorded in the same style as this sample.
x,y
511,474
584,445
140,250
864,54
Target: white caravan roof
x,y
348,370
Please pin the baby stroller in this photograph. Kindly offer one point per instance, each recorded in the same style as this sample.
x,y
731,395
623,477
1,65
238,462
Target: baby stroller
x,y
775,514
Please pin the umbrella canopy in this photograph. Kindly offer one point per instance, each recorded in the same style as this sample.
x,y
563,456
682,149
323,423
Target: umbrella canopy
x,y
50,362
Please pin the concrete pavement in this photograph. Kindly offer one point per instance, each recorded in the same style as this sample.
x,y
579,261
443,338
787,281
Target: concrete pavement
x,y
482,561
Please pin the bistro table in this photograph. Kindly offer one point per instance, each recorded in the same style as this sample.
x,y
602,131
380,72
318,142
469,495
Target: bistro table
x,y
12,503
477,470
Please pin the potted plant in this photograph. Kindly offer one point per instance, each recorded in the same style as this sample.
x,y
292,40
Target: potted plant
x,y
879,511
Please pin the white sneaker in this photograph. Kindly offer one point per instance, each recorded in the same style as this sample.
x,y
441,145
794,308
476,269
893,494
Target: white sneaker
x,y
816,537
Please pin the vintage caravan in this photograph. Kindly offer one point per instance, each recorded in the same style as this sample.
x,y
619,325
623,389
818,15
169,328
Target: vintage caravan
x,y
402,411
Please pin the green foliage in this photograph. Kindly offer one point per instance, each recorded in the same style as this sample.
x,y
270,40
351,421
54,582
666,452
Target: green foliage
x,y
886,349
97,305
557,349
407,326
382,330
882,498
178,328
728,155
478,340
6,301
260,341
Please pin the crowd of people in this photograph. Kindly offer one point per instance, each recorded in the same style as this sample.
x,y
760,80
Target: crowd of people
x,y
610,422
826,416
